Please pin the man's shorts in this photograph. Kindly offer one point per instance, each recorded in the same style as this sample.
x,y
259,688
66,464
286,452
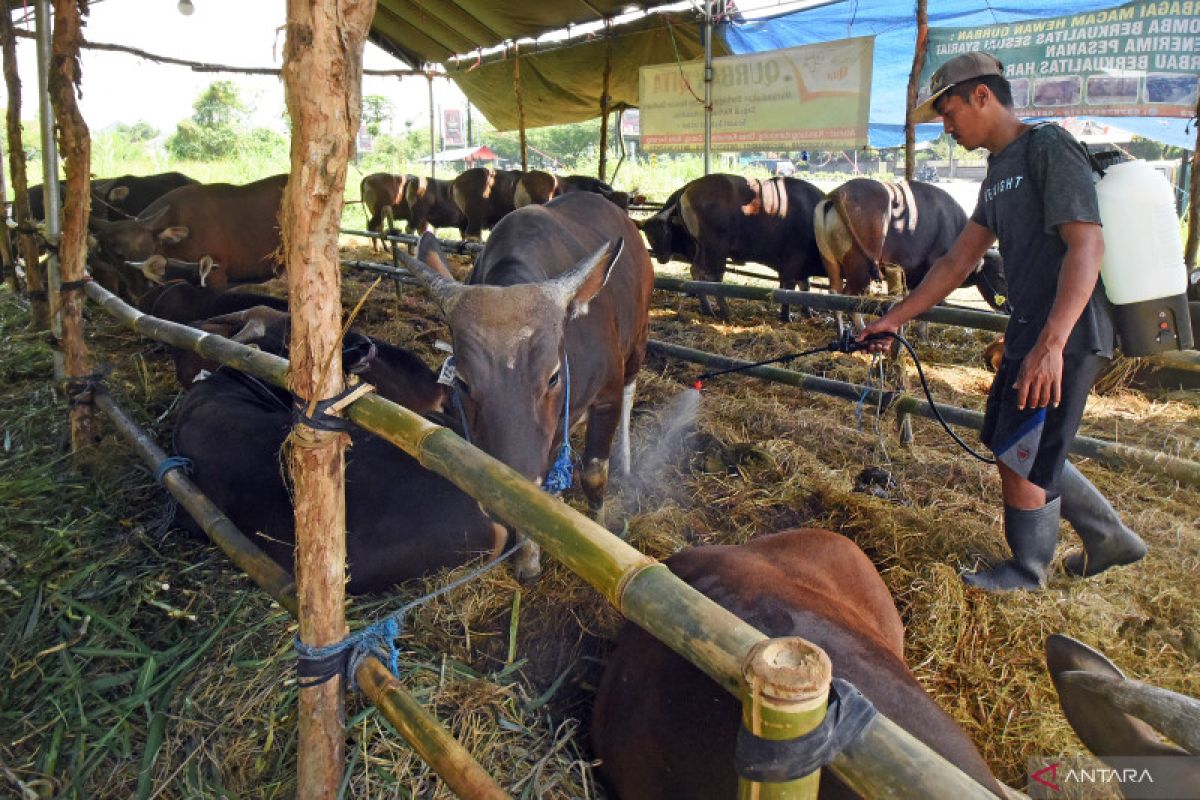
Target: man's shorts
x,y
1034,442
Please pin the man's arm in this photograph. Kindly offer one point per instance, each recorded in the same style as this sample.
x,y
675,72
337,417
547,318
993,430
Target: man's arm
x,y
1040,380
946,275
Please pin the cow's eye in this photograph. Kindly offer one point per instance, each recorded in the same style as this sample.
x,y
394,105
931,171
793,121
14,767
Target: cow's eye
x,y
553,379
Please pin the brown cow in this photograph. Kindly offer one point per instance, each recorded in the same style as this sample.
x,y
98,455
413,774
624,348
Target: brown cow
x,y
1116,718
431,203
384,202
234,227
865,223
559,296
538,187
768,221
662,728
485,196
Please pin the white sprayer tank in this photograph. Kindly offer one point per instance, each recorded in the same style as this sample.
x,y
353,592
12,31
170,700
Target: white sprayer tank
x,y
1143,271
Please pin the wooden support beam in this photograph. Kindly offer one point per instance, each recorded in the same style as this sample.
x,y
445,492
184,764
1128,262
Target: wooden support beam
x,y
322,72
75,144
914,79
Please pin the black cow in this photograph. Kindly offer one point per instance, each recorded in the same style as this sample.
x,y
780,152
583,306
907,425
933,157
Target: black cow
x,y
765,221
129,195
402,521
431,203
666,233
865,223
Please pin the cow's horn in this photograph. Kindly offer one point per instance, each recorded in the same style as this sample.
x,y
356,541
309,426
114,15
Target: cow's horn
x,y
580,283
446,291
154,218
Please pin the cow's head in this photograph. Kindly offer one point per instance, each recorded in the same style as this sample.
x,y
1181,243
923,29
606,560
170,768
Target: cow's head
x,y
660,233
136,239
509,354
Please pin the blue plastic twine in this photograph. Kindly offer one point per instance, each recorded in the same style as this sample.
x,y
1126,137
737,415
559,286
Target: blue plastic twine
x,y
560,476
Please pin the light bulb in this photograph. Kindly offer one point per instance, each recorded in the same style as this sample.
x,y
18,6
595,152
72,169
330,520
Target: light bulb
x,y
185,7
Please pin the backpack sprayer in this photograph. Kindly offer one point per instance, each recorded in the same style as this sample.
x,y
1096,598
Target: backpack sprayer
x,y
846,343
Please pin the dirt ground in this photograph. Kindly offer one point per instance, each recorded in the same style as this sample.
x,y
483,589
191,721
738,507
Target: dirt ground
x,y
516,687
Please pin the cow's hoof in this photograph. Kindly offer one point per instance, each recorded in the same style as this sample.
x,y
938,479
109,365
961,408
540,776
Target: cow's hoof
x,y
527,562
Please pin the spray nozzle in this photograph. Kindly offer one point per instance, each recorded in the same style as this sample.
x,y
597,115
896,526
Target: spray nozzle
x,y
698,385
847,343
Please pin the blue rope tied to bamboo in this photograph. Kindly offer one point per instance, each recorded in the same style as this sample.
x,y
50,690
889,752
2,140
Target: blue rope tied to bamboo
x,y
316,665
172,462
560,476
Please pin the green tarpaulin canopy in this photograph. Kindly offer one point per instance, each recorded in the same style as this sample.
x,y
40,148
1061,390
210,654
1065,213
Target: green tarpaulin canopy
x,y
558,85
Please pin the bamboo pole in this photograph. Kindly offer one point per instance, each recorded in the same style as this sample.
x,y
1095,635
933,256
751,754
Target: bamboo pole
x,y
914,80
604,100
644,590
76,147
26,240
322,72
432,742
1110,453
8,260
789,682
520,106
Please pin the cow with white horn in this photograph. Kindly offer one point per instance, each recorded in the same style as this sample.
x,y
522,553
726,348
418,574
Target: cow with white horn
x,y
556,307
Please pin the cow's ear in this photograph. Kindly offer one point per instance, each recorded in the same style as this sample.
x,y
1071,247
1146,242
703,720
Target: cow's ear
x,y
155,268
429,253
174,234
1101,726
576,287
118,193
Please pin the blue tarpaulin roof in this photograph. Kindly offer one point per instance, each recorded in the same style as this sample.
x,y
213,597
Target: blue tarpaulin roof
x,y
895,29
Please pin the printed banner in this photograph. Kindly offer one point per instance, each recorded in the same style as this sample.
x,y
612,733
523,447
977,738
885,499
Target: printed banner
x,y
1136,60
817,96
453,132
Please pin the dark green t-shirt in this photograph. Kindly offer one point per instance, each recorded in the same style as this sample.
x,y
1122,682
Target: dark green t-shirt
x,y
1039,181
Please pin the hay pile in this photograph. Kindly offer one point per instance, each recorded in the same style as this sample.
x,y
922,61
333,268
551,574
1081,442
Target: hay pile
x,y
179,683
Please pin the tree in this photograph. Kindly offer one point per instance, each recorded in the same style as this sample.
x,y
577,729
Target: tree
x,y
140,131
377,113
220,106
216,129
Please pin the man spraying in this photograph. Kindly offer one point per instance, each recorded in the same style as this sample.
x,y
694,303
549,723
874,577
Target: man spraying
x,y
1039,200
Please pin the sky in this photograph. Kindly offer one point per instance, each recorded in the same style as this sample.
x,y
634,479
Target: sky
x,y
118,87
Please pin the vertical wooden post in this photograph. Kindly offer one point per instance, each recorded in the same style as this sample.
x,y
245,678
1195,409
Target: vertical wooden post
x,y
604,100
322,73
35,275
708,85
914,78
76,146
520,105
787,684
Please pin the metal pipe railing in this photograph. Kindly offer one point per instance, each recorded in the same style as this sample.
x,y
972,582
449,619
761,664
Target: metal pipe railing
x,y
1187,360
1109,453
888,760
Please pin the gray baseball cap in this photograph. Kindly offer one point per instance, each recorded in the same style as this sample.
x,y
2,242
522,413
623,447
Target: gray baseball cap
x,y
958,69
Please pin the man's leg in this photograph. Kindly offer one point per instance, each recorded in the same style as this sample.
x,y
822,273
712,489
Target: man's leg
x,y
1031,530
1107,541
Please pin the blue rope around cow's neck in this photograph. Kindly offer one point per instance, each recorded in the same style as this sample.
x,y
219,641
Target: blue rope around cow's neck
x,y
560,476
316,665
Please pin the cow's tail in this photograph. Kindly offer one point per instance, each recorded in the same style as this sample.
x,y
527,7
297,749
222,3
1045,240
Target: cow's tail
x,y
839,203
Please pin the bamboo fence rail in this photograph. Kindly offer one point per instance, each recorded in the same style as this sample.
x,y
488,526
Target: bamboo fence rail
x,y
886,762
